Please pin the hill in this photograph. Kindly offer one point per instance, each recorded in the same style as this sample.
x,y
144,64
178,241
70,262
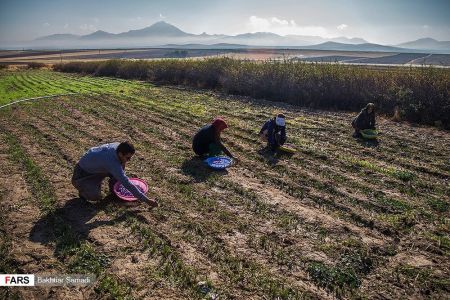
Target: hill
x,y
427,44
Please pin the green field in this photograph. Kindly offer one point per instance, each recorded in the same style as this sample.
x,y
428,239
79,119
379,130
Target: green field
x,y
340,218
26,84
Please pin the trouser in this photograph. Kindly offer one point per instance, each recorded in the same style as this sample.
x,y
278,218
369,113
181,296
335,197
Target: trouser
x,y
274,146
89,185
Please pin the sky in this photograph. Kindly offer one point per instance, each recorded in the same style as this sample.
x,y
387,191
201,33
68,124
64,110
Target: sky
x,y
382,21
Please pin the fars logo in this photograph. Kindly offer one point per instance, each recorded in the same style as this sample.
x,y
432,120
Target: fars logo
x,y
16,280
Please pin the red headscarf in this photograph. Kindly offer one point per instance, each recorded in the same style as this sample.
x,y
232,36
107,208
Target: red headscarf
x,y
219,124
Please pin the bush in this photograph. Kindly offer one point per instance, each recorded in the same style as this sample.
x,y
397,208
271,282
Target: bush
x,y
417,94
77,67
108,68
35,65
133,70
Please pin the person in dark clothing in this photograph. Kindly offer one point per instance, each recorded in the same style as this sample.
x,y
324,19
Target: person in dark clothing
x,y
274,132
364,120
207,142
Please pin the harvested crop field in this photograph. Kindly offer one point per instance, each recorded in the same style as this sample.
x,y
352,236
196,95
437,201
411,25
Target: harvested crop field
x,y
397,59
332,58
340,218
435,59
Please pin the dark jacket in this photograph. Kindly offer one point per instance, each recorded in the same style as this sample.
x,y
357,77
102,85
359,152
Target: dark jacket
x,y
272,130
203,138
364,120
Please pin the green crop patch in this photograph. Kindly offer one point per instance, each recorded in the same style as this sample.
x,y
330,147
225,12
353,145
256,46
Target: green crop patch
x,y
25,84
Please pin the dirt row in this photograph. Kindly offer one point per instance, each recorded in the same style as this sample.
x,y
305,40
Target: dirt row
x,y
243,211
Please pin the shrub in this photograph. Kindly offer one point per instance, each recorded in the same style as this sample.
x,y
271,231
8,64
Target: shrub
x,y
416,94
108,68
77,67
35,65
132,70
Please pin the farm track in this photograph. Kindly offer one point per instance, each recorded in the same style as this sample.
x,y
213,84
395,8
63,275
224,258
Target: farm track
x,y
264,229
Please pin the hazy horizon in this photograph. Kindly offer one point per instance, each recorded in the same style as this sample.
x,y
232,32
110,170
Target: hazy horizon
x,y
383,22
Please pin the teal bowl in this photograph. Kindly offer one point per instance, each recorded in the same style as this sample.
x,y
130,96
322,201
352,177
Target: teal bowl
x,y
369,134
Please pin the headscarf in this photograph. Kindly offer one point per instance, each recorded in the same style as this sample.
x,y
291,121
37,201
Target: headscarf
x,y
219,124
370,105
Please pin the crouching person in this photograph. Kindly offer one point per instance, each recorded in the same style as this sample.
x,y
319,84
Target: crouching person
x,y
107,160
274,132
207,141
364,120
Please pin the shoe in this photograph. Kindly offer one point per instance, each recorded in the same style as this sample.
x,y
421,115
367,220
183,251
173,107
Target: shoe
x,y
356,135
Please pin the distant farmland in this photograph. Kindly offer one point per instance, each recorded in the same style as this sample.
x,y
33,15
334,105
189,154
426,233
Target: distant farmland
x,y
261,54
416,59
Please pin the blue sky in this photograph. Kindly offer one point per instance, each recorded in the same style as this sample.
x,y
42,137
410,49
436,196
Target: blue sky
x,y
380,21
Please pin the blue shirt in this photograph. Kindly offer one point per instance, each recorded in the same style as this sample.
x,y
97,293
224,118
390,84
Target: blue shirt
x,y
104,160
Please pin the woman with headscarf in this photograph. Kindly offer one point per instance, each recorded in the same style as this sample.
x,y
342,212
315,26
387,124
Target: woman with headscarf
x,y
364,120
207,140
274,132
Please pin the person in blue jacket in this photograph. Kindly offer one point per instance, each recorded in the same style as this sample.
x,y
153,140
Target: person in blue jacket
x,y
274,132
106,160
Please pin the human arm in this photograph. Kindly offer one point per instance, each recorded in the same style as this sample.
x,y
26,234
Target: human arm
x,y
372,121
118,173
218,142
264,128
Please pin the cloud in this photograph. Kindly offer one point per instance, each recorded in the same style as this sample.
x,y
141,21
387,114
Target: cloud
x,y
426,27
161,16
275,20
88,27
96,20
46,24
342,27
66,26
283,27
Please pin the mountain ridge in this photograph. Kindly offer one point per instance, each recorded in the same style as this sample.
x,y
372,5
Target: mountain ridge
x,y
162,33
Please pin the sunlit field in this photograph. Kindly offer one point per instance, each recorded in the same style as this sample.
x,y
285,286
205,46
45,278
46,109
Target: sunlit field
x,y
340,218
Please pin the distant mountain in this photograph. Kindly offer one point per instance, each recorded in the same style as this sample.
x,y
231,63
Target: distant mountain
x,y
350,47
204,34
257,35
158,29
163,33
256,39
347,40
305,40
99,34
426,44
58,36
168,33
